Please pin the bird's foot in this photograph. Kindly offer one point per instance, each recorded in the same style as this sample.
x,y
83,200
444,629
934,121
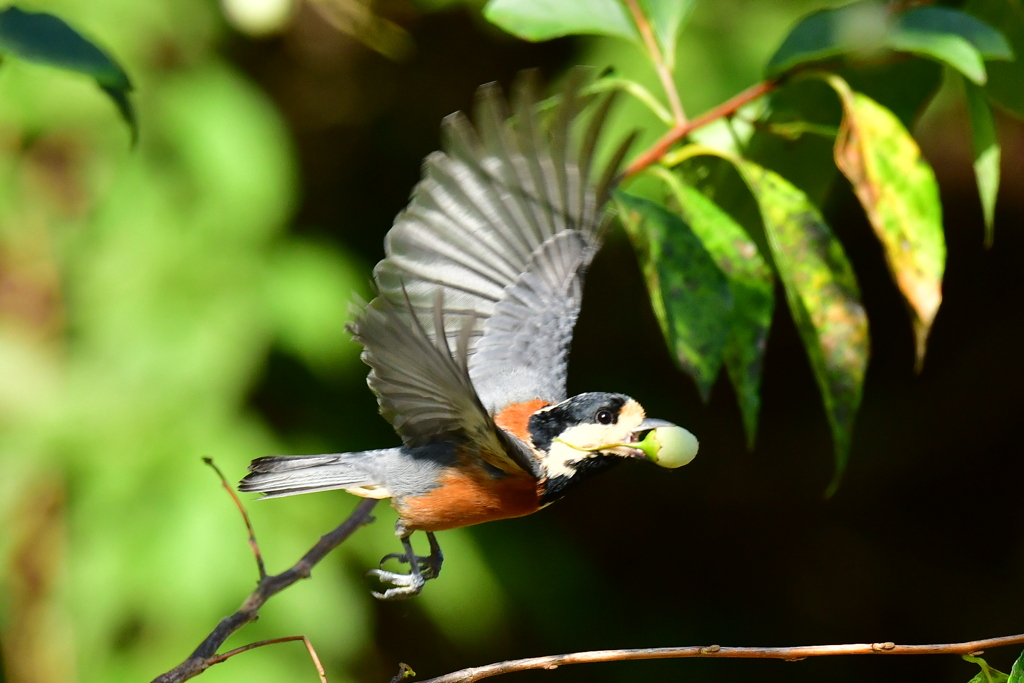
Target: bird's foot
x,y
421,569
403,586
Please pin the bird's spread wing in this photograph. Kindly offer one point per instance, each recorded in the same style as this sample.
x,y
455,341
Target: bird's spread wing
x,y
505,221
482,280
423,384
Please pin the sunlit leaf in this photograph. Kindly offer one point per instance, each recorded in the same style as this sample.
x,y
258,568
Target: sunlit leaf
x,y
667,18
987,154
951,49
899,194
987,673
1017,672
752,286
45,39
689,294
1004,78
866,28
823,297
988,41
538,20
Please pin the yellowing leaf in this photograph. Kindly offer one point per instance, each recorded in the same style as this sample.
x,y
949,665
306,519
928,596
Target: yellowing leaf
x,y
898,191
822,294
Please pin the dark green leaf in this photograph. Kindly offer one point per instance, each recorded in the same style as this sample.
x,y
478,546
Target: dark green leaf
x,y
898,191
46,39
987,673
823,297
689,294
667,19
987,154
865,28
752,286
1006,79
538,20
861,26
988,41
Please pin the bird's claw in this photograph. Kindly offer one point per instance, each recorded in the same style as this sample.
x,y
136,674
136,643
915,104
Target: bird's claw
x,y
402,585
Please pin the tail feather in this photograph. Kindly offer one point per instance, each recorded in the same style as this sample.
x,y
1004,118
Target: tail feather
x,y
280,475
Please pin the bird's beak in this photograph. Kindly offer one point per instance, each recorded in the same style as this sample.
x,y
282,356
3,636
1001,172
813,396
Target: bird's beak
x,y
664,443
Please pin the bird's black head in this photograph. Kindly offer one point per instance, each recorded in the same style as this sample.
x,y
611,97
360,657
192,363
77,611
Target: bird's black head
x,y
584,435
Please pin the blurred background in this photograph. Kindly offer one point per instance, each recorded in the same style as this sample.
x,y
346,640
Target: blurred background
x,y
188,297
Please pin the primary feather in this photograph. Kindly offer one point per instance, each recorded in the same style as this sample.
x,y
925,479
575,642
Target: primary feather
x,y
503,224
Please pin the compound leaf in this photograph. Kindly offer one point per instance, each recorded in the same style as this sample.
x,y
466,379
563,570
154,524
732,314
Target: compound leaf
x,y
823,298
689,294
752,286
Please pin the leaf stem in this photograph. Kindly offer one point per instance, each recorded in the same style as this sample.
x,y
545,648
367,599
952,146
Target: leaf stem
x,y
664,72
636,90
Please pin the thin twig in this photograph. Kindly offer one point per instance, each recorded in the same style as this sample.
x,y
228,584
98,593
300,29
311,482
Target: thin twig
x,y
790,654
274,641
660,65
245,517
200,660
680,131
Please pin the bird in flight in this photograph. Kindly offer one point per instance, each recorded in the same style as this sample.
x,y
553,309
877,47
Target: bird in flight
x,y
468,337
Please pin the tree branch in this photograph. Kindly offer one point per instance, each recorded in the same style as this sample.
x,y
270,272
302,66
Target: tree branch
x,y
681,130
790,654
664,73
206,656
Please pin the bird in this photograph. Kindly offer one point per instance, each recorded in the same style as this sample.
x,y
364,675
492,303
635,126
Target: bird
x,y
468,336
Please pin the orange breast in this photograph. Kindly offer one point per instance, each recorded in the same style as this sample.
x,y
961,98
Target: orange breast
x,y
469,495
516,417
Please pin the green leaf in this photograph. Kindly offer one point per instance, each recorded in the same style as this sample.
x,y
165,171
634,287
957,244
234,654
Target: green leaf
x,y
950,49
1004,78
866,28
988,41
667,19
538,20
860,26
899,194
752,286
1017,672
45,39
689,294
987,154
823,298
987,673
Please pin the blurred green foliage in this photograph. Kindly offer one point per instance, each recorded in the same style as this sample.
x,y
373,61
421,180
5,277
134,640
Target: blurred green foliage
x,y
142,292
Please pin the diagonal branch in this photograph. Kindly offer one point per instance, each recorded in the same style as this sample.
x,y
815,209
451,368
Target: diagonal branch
x,y
681,130
789,654
206,654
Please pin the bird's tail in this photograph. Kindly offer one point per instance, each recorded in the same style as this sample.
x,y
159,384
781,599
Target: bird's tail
x,y
288,475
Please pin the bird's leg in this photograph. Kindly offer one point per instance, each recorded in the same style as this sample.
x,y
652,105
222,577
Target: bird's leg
x,y
421,569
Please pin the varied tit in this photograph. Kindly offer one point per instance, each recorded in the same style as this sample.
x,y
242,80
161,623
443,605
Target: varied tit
x,y
468,337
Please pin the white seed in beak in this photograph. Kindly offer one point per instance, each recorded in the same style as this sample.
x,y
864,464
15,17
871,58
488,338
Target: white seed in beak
x,y
670,446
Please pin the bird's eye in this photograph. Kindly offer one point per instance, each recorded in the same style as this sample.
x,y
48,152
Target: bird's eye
x,y
605,416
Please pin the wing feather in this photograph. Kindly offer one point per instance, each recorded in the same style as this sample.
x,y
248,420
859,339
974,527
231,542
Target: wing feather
x,y
488,260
